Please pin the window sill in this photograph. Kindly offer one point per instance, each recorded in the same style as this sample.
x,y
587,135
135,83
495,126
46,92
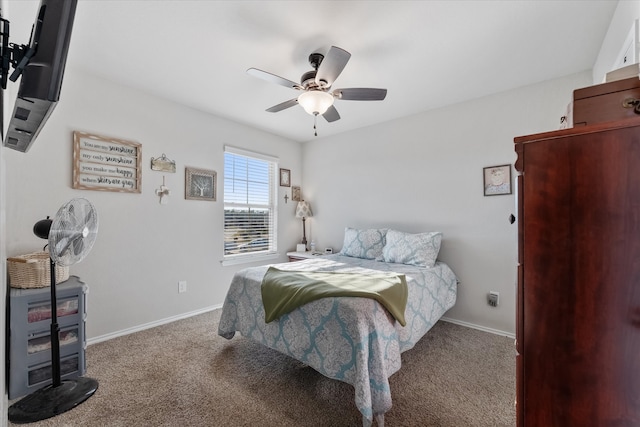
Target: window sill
x,y
245,259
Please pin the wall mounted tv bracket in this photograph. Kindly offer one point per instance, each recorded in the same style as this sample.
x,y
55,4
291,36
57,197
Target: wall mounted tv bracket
x,y
14,55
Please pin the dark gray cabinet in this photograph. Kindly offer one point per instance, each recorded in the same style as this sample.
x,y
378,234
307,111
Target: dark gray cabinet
x,y
29,353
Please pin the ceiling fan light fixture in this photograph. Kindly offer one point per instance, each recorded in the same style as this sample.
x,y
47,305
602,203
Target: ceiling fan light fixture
x,y
315,101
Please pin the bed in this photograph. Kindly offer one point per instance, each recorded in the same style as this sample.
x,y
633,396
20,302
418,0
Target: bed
x,y
355,340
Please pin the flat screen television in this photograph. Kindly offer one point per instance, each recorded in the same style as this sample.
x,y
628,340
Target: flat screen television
x,y
41,73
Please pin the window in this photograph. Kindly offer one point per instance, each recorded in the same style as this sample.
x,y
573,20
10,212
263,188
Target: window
x,y
249,204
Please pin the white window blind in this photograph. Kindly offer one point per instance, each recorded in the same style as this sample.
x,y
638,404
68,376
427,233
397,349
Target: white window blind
x,y
249,211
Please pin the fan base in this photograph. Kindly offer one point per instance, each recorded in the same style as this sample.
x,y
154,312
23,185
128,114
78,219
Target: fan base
x,y
315,59
50,401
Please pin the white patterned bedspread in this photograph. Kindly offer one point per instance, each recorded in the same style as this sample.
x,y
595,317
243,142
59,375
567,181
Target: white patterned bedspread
x,y
355,340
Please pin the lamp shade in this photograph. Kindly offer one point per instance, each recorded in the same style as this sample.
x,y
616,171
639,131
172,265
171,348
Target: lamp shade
x,y
303,210
315,101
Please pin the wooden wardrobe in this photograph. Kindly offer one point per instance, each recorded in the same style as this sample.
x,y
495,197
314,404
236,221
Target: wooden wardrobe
x,y
578,308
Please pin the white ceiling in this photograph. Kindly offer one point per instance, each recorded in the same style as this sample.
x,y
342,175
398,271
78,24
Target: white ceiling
x,y
428,54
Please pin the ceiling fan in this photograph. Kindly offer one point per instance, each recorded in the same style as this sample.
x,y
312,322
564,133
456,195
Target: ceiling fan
x,y
316,97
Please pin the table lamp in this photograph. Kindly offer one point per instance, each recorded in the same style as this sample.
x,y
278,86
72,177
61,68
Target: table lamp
x,y
303,210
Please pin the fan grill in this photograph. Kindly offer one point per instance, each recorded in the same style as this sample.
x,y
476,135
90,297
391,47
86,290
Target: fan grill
x,y
73,232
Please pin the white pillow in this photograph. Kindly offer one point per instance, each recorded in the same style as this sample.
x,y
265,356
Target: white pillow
x,y
366,244
415,249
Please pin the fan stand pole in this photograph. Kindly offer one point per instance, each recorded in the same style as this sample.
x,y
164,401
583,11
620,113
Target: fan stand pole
x,y
60,396
55,330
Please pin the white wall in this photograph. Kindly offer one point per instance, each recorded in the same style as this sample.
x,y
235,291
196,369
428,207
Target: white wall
x,y
3,255
143,248
626,13
418,173
425,172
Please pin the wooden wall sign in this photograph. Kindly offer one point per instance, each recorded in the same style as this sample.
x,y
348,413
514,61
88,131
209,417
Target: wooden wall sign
x,y
106,164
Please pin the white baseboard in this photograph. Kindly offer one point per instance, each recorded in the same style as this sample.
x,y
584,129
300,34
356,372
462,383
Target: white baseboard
x,y
149,325
481,328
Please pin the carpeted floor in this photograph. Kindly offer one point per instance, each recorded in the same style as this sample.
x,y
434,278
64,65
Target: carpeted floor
x,y
184,374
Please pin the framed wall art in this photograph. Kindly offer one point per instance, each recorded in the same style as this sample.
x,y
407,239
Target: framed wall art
x,y
200,184
106,164
285,178
296,195
497,180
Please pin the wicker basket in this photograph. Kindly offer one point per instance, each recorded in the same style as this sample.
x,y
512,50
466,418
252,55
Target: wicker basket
x,y
33,271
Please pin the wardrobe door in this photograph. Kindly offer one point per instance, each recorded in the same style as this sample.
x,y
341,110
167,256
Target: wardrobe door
x,y
547,293
581,280
604,370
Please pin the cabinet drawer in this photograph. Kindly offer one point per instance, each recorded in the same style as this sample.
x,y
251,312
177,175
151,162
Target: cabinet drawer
x,y
37,343
603,103
41,311
40,374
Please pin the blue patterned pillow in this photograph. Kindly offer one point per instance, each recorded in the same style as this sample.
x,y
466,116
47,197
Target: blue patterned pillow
x,y
366,244
415,249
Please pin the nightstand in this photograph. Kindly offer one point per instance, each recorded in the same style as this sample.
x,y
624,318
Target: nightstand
x,y
299,256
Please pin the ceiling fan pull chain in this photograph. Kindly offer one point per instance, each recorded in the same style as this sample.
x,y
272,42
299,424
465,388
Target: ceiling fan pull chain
x,y
315,121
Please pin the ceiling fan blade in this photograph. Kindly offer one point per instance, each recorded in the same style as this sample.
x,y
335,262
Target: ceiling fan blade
x,y
282,106
331,115
360,94
272,78
331,66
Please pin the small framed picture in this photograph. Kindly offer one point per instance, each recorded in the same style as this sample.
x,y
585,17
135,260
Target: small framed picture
x,y
285,178
200,184
497,180
295,193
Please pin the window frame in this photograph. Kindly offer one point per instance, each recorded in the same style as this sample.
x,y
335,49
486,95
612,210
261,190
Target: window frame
x,y
272,206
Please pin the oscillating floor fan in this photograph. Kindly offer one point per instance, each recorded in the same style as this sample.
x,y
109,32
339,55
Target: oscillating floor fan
x,y
71,235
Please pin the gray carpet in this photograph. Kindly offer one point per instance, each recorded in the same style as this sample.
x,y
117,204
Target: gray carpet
x,y
184,374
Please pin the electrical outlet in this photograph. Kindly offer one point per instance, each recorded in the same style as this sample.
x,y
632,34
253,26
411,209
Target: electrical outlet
x,y
182,286
493,298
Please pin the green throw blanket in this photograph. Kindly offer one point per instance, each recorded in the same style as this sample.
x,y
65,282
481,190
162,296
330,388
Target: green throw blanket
x,y
284,291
